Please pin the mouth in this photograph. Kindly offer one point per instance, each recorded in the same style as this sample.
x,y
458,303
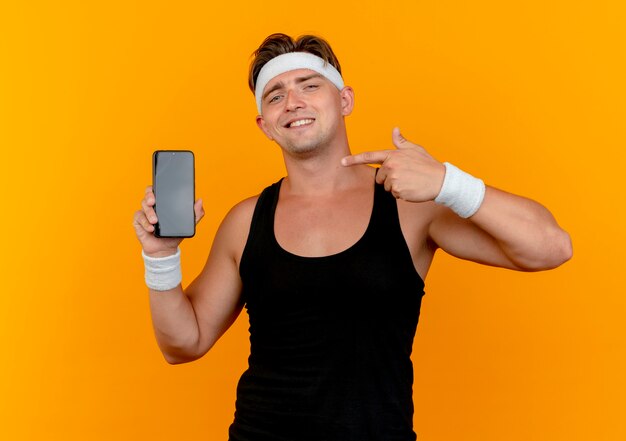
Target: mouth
x,y
299,122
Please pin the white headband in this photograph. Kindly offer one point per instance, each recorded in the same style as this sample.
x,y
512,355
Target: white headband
x,y
292,61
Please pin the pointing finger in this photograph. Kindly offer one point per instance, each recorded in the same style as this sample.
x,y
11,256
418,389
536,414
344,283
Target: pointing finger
x,y
377,157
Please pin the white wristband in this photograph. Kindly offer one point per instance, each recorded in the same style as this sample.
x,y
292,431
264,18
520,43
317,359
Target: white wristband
x,y
163,273
461,192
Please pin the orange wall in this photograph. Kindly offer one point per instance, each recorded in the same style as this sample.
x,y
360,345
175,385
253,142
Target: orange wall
x,y
529,96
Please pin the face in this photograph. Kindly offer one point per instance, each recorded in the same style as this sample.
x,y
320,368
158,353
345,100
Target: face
x,y
303,111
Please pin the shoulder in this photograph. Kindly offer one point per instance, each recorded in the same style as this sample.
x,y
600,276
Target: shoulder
x,y
238,219
239,216
243,211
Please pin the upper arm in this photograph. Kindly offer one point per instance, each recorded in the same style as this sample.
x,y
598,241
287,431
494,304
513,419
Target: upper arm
x,y
216,293
465,240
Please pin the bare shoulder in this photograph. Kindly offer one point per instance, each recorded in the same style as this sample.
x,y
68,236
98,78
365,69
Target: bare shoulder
x,y
242,212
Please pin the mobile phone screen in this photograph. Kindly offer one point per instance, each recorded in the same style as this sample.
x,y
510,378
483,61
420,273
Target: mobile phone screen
x,y
173,187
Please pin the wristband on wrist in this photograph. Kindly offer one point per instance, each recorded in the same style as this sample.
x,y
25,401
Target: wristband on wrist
x,y
461,192
163,273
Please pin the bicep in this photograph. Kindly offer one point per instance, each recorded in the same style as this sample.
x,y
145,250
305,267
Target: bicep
x,y
215,296
216,293
463,239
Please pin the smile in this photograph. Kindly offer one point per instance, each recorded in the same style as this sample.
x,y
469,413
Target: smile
x,y
300,122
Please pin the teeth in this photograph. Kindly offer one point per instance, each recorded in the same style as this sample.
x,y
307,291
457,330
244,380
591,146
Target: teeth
x,y
300,122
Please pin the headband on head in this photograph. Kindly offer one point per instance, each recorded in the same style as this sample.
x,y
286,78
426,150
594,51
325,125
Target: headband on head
x,y
292,61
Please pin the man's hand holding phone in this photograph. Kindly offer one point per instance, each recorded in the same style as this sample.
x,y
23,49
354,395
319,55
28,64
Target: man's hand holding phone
x,y
169,213
144,222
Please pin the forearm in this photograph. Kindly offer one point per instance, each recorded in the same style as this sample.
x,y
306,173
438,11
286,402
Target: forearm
x,y
175,325
525,230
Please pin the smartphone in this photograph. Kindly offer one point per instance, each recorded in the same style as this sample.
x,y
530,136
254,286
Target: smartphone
x,y
173,184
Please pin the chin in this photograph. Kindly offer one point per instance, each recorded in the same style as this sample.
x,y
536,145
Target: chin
x,y
302,150
303,147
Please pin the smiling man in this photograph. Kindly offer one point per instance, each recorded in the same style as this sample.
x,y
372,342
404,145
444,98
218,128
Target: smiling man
x,y
330,261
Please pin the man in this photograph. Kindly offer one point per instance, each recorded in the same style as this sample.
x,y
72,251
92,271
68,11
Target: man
x,y
329,262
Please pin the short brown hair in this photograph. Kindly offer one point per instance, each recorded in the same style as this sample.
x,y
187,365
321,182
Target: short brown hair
x,y
278,44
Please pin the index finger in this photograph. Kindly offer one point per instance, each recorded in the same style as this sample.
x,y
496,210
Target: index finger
x,y
376,157
149,195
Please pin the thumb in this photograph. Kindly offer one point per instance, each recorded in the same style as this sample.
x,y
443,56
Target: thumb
x,y
398,140
199,210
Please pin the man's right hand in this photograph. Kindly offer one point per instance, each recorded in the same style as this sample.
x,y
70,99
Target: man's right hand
x,y
144,221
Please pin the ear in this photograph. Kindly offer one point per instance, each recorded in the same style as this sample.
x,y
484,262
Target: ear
x,y
347,100
260,122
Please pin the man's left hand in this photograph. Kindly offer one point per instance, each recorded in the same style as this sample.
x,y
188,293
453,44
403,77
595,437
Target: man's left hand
x,y
408,172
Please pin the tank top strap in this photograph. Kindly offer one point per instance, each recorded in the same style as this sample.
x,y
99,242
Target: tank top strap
x,y
385,212
262,224
265,207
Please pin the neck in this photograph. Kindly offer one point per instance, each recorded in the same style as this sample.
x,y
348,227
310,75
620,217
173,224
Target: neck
x,y
321,173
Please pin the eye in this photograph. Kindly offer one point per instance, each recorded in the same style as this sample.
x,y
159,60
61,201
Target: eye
x,y
311,86
274,99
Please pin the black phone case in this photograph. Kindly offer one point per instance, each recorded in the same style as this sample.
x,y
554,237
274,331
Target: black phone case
x,y
157,232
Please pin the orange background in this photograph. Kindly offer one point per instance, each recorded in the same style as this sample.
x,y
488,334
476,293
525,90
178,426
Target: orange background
x,y
528,96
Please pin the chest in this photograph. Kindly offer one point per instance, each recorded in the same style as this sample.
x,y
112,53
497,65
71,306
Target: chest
x,y
322,226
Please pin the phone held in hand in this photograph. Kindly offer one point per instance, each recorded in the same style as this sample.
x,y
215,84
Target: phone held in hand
x,y
173,184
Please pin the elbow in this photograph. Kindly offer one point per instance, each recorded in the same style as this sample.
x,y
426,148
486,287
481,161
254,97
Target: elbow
x,y
179,358
567,250
561,250
180,354
186,354
174,360
554,252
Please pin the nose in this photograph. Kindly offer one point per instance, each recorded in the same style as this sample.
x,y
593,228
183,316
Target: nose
x,y
293,101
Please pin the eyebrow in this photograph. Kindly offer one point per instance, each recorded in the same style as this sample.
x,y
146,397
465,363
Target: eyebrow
x,y
298,80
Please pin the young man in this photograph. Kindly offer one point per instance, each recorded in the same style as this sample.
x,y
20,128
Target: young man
x,y
330,261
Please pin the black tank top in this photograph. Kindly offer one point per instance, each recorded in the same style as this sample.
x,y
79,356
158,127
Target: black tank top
x,y
331,337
